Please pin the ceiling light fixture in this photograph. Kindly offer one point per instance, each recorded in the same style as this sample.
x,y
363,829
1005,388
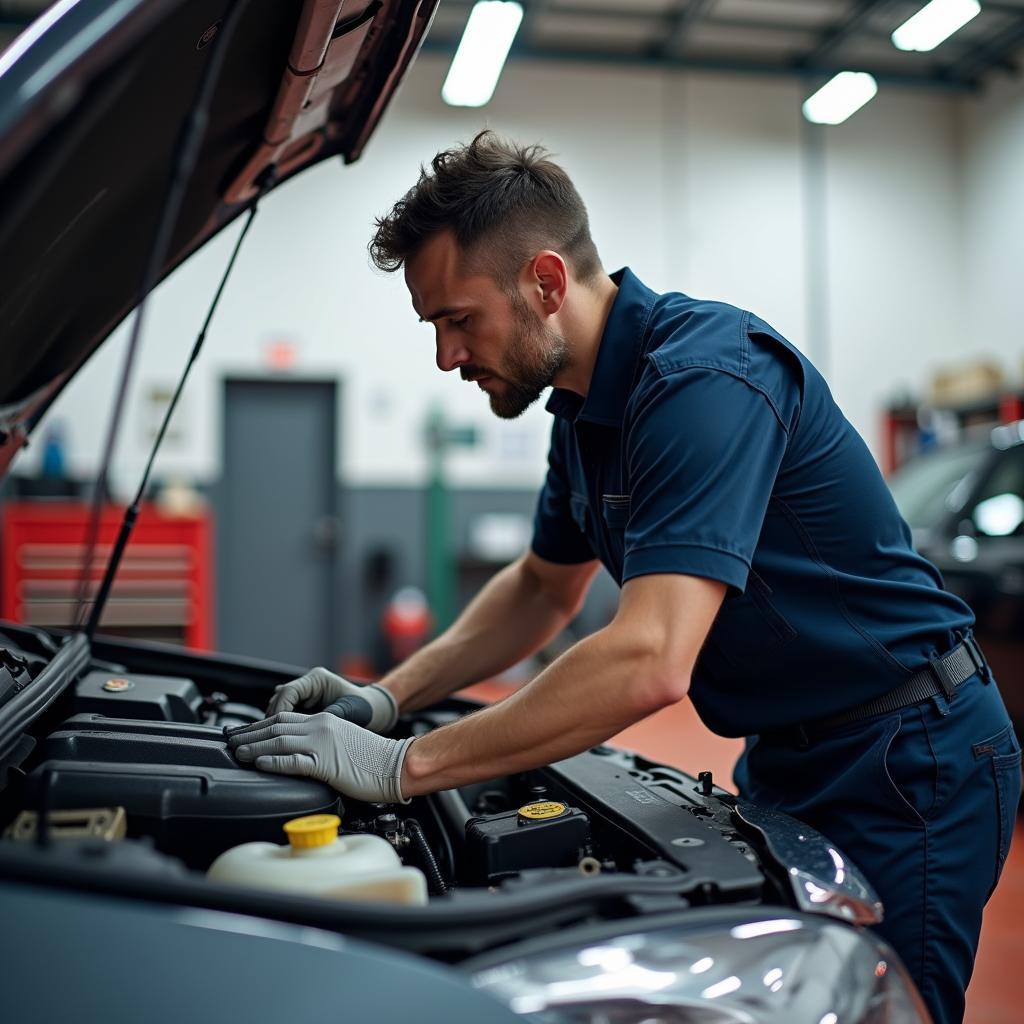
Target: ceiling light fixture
x,y
481,55
840,97
934,23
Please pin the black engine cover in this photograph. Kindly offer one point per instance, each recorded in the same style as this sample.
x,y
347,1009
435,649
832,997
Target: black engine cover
x,y
138,696
177,783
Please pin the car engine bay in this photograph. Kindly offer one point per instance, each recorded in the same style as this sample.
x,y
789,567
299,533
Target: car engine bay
x,y
138,756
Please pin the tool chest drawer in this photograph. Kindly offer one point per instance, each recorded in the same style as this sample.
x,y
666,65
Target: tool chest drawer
x,y
163,587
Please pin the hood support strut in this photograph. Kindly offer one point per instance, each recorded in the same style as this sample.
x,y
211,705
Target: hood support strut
x,y
132,513
183,164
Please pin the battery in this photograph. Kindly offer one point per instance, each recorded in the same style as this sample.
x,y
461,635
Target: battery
x,y
543,834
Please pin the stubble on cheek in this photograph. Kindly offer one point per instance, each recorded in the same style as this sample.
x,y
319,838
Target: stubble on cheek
x,y
533,357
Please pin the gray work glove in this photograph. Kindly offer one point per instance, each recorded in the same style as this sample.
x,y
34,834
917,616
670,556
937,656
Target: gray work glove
x,y
355,761
319,690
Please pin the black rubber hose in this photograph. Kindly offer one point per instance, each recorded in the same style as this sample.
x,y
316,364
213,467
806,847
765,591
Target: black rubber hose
x,y
454,808
435,880
449,800
446,854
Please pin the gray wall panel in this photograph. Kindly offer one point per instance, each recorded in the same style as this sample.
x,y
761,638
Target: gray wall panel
x,y
393,520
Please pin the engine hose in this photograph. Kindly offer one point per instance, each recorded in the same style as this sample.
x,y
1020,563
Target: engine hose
x,y
435,880
449,800
446,855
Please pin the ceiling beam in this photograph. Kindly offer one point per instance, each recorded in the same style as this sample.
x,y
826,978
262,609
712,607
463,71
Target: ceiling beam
x,y
710,20
835,35
681,24
641,59
1001,7
625,11
995,51
532,10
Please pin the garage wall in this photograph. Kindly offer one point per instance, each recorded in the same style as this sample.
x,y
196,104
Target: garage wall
x,y
894,225
993,138
699,182
734,190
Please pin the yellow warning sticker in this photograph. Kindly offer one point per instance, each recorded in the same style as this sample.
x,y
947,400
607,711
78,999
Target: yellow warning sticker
x,y
540,811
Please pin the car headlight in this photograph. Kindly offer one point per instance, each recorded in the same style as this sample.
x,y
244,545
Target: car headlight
x,y
758,968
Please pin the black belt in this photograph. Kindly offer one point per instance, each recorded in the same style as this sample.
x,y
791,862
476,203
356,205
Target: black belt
x,y
943,675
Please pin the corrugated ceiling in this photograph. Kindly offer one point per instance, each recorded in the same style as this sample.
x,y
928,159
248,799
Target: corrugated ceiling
x,y
808,37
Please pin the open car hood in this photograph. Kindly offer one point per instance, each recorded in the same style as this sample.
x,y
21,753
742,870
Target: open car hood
x,y
93,100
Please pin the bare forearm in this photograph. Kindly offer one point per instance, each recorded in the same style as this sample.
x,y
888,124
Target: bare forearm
x,y
593,691
508,620
639,663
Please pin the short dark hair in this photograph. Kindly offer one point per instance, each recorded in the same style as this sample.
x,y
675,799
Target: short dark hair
x,y
503,202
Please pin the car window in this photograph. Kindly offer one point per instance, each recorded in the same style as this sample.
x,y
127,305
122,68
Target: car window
x,y
924,488
999,506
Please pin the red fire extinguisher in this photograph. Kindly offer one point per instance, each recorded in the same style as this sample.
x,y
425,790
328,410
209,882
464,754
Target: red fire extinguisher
x,y
406,623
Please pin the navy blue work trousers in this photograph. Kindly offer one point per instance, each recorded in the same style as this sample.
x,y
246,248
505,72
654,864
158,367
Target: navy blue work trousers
x,y
923,801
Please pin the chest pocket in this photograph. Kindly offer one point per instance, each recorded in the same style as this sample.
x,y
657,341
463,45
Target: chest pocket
x,y
578,508
615,509
748,627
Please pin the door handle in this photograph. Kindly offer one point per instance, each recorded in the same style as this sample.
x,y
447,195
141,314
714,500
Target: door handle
x,y
327,532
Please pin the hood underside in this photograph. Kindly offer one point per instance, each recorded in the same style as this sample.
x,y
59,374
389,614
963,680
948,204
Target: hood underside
x,y
93,101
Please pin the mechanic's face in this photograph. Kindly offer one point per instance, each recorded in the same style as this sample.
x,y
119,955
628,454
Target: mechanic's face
x,y
493,339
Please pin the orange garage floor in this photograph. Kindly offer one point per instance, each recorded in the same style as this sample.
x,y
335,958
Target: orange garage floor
x,y
676,737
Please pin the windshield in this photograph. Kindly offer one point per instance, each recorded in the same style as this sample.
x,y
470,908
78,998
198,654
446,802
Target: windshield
x,y
923,489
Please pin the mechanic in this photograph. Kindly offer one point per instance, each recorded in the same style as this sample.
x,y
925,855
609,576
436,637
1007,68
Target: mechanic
x,y
764,569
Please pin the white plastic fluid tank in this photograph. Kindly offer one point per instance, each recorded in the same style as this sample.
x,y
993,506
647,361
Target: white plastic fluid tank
x,y
318,862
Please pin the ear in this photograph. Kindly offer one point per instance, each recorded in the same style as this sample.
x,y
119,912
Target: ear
x,y
549,279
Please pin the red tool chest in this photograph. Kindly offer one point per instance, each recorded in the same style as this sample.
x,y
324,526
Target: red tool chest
x,y
163,590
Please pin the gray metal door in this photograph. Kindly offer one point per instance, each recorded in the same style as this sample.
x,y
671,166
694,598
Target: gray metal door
x,y
277,530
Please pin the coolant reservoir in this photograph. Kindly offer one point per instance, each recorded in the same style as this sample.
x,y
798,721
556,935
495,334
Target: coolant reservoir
x,y
319,862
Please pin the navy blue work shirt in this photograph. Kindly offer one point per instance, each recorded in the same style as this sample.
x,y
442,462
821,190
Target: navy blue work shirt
x,y
708,445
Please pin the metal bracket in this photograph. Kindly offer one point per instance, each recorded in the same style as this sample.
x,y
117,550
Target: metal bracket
x,y
107,823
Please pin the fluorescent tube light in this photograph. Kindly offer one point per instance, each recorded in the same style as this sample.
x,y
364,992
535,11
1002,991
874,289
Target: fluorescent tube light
x,y
840,97
934,23
482,51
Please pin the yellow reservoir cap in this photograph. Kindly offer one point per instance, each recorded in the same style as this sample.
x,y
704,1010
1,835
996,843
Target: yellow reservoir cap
x,y
313,830
542,810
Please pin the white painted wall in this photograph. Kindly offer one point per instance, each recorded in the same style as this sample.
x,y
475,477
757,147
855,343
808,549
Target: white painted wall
x,y
893,223
734,192
993,132
696,181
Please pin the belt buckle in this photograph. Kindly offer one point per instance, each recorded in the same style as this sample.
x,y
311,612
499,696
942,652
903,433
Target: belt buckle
x,y
938,668
977,656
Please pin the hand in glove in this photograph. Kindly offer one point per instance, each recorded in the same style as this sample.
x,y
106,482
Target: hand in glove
x,y
355,761
319,690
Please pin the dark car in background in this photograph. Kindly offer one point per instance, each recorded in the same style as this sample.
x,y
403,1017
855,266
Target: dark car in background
x,y
602,888
965,505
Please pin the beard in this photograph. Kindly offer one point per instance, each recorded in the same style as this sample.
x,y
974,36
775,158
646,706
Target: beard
x,y
535,356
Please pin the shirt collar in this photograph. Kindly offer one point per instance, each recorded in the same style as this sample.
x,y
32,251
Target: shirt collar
x,y
617,358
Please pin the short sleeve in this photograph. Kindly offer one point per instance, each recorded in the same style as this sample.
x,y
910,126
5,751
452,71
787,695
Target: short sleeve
x,y
703,449
558,527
